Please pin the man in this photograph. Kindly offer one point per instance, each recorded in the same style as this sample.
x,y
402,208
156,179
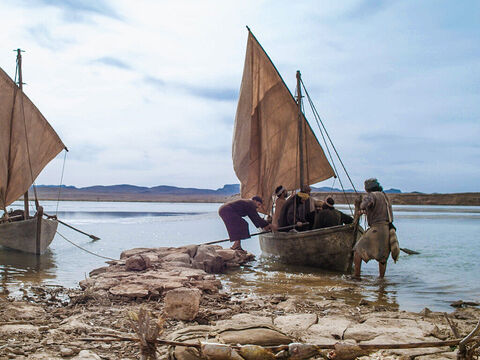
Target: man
x,y
296,211
375,242
232,214
281,193
329,216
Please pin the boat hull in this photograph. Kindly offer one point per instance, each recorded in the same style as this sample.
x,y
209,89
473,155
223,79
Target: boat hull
x,y
22,235
328,248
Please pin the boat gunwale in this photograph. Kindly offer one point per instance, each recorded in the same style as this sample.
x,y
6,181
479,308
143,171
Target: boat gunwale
x,y
308,233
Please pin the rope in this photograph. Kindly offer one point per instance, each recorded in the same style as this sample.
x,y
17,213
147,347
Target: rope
x,y
61,182
81,248
326,132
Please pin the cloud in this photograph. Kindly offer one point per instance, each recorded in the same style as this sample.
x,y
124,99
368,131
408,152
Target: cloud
x,y
112,61
79,10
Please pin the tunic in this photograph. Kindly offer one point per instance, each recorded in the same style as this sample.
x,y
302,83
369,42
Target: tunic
x,y
374,243
294,211
331,217
278,209
232,214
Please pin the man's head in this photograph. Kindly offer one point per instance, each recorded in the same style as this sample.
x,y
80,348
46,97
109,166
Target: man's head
x,y
258,201
280,191
328,203
372,184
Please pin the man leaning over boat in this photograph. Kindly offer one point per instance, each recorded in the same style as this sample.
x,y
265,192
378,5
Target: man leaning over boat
x,y
232,214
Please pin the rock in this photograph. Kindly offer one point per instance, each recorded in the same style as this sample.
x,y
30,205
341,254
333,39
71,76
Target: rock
x,y
182,303
64,352
254,336
137,263
226,254
245,319
74,325
287,306
328,330
293,324
132,252
13,330
177,257
86,355
207,259
98,271
129,290
24,311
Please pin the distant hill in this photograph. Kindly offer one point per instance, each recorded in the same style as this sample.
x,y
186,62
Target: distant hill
x,y
165,193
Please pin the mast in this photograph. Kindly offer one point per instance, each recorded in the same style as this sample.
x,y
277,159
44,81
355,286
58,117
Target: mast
x,y
300,131
20,85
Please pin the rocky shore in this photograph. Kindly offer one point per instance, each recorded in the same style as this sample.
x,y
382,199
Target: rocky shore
x,y
174,294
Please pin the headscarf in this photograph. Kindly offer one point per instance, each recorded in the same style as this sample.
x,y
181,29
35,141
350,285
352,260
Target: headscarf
x,y
372,184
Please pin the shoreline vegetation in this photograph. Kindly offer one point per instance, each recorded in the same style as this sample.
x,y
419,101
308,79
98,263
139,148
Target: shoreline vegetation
x,y
69,194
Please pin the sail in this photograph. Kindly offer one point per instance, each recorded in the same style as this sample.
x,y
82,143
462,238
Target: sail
x,y
265,146
27,142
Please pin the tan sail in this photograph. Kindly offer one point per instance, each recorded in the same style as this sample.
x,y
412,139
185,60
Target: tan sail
x,y
27,142
265,141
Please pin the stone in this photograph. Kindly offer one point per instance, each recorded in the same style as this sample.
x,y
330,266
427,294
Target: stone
x,y
292,324
87,355
328,328
182,303
245,319
254,336
129,290
177,257
65,352
24,311
137,263
131,252
207,259
12,330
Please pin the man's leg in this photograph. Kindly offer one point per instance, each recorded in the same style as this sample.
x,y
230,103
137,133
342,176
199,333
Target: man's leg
x,y
236,245
381,269
357,262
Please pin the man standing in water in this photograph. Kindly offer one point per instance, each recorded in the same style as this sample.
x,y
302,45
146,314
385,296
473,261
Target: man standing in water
x,y
375,242
232,214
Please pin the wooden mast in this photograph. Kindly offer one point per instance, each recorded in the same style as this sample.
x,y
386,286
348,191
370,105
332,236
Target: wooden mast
x,y
300,131
20,85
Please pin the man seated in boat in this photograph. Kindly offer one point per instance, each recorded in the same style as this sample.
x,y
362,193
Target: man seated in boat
x,y
232,214
281,194
296,211
328,216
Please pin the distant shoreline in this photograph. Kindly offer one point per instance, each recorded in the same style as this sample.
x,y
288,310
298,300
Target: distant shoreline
x,y
459,199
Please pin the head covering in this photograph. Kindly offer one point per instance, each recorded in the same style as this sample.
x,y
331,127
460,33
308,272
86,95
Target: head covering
x,y
303,196
372,184
257,198
279,190
329,201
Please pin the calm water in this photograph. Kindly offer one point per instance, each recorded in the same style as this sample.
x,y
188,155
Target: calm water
x,y
446,236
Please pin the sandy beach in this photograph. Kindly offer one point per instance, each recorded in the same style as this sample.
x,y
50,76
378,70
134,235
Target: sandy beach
x,y
178,289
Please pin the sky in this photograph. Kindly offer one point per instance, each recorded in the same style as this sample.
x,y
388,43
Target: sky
x,y
145,92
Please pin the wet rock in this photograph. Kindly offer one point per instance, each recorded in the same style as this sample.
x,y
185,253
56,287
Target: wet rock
x,y
208,260
182,303
137,263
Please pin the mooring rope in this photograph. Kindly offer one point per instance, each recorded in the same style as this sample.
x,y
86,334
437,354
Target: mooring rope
x,y
81,248
61,182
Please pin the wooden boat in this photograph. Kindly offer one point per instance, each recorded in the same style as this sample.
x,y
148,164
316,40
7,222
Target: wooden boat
x,y
273,144
27,144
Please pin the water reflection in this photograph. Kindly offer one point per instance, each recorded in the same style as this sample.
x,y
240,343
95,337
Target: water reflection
x,y
268,276
18,268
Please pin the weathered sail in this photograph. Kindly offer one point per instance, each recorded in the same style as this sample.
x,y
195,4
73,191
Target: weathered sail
x,y
27,142
265,141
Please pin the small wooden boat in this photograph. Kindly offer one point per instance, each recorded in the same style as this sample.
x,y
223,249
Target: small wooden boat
x,y
27,144
273,144
328,248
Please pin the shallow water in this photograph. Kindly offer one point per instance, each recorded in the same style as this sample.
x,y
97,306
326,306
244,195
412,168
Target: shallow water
x,y
446,270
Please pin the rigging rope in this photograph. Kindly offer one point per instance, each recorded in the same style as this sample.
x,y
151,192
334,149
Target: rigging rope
x,y
318,118
81,248
61,182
